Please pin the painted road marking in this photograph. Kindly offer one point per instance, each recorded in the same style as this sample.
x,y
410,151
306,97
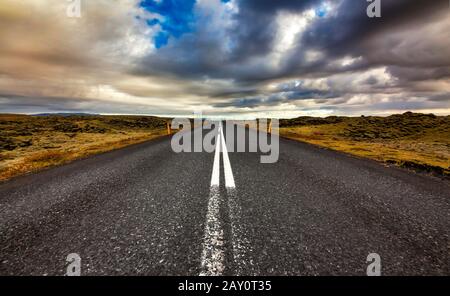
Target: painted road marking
x,y
213,255
215,178
229,179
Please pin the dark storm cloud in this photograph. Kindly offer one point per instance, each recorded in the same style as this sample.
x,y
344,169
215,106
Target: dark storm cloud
x,y
443,97
349,31
201,54
18,103
255,30
350,24
412,74
10,103
277,98
371,80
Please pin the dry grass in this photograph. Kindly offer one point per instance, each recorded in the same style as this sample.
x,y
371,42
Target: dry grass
x,y
29,144
417,141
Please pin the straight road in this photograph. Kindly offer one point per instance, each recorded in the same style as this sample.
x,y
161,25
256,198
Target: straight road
x,y
145,210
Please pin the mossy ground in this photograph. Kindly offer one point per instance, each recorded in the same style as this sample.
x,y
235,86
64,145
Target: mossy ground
x,y
417,141
31,143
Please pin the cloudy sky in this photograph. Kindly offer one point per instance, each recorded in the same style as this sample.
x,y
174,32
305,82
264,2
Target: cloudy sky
x,y
225,57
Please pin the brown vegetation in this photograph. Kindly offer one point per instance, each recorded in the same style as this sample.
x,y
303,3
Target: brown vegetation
x,y
31,143
417,141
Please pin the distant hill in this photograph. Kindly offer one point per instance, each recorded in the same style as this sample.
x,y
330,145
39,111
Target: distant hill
x,y
65,114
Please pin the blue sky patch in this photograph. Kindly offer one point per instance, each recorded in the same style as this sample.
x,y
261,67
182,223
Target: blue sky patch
x,y
178,18
321,11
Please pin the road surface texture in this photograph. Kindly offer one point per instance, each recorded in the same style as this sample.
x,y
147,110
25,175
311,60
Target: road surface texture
x,y
146,210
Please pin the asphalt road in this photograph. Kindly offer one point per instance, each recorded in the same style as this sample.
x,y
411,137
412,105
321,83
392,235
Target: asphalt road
x,y
146,210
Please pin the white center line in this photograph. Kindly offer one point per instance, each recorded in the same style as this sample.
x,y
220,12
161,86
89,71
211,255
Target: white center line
x,y
213,255
215,178
229,179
